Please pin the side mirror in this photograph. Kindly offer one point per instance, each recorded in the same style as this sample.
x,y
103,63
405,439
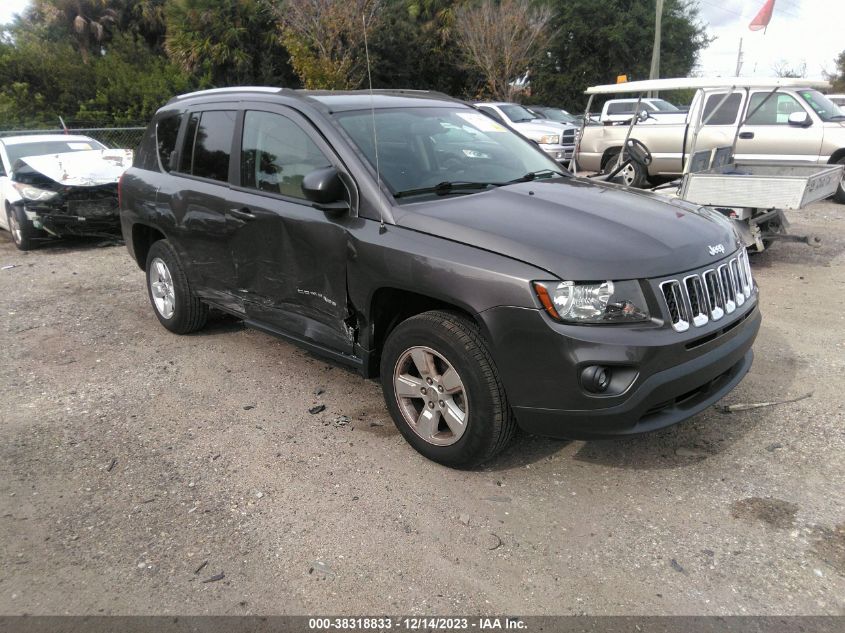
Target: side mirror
x,y
642,115
325,189
800,119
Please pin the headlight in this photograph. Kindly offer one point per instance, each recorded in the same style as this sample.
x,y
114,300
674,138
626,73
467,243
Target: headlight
x,y
604,302
549,139
28,192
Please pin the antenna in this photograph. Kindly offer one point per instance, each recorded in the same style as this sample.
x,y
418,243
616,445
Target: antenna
x,y
382,228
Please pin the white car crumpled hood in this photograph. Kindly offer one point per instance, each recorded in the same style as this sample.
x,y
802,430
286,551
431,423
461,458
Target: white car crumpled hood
x,y
85,168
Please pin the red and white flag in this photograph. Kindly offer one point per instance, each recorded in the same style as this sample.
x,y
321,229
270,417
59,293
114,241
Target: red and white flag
x,y
762,19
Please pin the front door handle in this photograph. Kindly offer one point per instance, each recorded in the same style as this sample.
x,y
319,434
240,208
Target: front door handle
x,y
242,214
746,135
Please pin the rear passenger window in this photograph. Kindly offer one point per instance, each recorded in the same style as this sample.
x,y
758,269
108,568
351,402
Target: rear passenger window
x,y
166,132
276,154
620,108
726,113
208,144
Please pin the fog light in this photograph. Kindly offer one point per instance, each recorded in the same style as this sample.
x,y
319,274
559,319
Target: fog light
x,y
595,378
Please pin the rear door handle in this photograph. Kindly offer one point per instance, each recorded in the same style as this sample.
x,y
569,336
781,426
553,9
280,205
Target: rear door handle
x,y
746,135
242,214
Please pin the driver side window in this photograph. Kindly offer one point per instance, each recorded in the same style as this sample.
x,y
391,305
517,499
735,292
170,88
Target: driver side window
x,y
276,154
774,111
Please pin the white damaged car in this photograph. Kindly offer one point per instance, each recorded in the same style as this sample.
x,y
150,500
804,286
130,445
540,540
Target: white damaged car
x,y
59,185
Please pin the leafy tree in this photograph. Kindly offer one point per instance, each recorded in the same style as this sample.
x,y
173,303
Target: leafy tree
x,y
226,43
39,79
130,83
595,43
837,78
42,78
325,39
500,38
413,48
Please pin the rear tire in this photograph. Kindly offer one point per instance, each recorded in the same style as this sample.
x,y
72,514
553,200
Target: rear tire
x,y
454,411
174,303
839,196
21,229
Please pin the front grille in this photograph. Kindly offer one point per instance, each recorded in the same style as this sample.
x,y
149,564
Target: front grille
x,y
707,296
568,137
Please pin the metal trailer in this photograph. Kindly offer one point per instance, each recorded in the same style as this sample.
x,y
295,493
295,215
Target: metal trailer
x,y
754,195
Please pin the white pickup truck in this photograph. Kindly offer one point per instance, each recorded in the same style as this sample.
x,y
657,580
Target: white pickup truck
x,y
794,124
621,110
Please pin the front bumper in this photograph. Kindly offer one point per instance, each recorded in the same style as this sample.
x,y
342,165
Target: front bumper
x,y
558,152
674,376
62,219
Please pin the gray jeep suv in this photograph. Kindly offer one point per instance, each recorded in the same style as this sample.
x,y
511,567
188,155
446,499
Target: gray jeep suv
x,y
409,236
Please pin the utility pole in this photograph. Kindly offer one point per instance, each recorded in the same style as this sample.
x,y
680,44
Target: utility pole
x,y
739,59
655,53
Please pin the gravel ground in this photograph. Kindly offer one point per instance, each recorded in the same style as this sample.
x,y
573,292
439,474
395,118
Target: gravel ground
x,y
139,467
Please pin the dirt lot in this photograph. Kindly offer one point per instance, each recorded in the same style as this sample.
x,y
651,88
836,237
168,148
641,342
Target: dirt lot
x,y
131,456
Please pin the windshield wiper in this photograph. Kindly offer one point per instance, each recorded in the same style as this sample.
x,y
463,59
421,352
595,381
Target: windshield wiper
x,y
447,187
837,117
534,175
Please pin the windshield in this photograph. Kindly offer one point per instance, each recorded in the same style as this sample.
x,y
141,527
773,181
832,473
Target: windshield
x,y
422,148
40,148
517,113
663,106
824,107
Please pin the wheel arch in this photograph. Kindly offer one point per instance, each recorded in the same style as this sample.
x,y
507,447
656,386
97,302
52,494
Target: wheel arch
x,y
389,306
836,156
143,237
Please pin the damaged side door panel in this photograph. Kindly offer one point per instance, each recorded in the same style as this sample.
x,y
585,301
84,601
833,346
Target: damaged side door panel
x,y
290,258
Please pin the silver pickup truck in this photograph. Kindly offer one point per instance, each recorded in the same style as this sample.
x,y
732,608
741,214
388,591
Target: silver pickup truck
x,y
795,124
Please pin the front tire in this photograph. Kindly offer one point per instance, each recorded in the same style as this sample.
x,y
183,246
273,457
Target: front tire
x,y
173,301
443,390
839,196
23,233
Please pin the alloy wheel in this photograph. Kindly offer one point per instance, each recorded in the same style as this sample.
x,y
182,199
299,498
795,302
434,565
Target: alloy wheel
x,y
161,288
431,396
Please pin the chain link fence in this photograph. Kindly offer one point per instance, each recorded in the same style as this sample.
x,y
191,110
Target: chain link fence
x,y
112,137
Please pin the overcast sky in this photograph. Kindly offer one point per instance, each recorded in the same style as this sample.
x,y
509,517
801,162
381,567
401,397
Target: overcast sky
x,y
801,31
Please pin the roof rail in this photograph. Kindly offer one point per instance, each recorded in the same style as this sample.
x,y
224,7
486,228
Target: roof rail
x,y
213,91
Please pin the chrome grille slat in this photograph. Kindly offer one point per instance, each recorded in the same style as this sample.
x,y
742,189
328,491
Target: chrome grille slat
x,y
733,266
676,303
727,288
708,296
695,295
715,296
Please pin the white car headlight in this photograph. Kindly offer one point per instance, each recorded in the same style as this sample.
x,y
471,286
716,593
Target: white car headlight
x,y
34,194
549,139
603,302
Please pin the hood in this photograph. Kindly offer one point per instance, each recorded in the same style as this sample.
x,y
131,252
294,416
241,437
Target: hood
x,y
538,127
579,230
82,169
561,125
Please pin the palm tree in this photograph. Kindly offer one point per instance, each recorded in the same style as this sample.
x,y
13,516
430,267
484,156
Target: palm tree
x,y
87,20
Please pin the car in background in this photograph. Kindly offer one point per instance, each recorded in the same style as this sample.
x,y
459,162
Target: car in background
x,y
621,111
55,185
794,124
560,115
557,139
